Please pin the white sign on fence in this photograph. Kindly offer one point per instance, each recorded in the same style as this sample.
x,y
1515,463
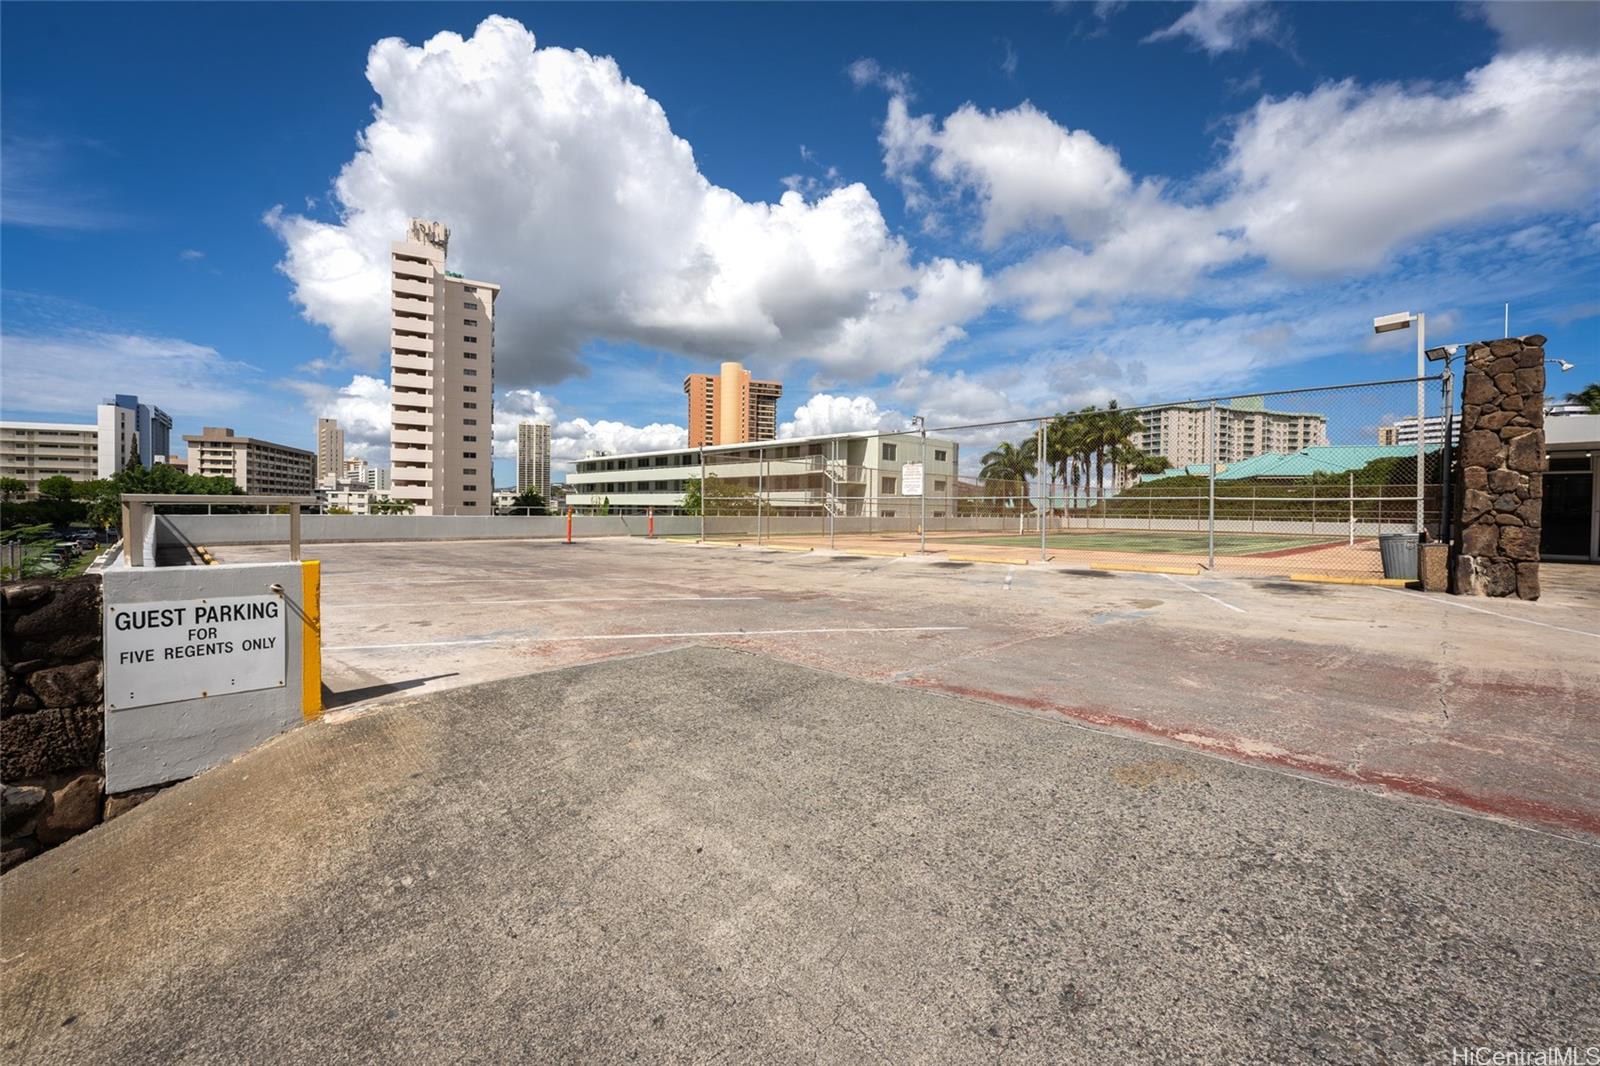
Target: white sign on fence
x,y
189,649
911,479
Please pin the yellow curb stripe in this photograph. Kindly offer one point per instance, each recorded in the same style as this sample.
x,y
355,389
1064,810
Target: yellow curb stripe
x,y
1339,579
782,548
995,562
1135,568
880,555
311,639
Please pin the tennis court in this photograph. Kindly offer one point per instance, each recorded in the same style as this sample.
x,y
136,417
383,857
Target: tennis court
x,y
1165,542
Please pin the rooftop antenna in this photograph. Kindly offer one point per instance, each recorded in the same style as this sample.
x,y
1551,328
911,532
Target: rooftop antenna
x,y
1507,333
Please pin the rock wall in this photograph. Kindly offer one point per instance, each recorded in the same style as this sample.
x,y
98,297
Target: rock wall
x,y
51,715
1500,470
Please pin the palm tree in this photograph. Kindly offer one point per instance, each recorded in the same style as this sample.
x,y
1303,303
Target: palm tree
x,y
1008,467
1589,397
1117,429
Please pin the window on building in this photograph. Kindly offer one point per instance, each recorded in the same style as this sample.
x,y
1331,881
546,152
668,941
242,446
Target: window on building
x,y
469,355
470,405
469,488
470,306
938,485
469,470
469,455
940,455
886,514
470,372
470,340
887,452
888,482
469,421
470,439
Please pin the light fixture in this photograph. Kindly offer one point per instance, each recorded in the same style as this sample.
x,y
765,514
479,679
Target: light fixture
x,y
1442,352
1387,323
1562,363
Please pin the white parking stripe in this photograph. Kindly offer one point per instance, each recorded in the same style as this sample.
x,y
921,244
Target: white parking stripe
x,y
1207,595
643,636
1443,602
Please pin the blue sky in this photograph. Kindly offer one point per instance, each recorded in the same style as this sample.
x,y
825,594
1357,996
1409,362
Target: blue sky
x,y
971,212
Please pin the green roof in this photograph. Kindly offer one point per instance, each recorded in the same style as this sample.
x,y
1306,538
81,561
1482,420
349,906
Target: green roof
x,y
1318,459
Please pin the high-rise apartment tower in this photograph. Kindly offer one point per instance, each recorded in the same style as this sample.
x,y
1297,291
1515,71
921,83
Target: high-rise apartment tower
x,y
730,408
330,449
441,347
533,458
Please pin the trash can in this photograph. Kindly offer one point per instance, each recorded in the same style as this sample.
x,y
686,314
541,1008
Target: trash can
x,y
1399,551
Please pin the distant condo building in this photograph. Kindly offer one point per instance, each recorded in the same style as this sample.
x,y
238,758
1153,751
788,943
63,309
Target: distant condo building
x,y
330,449
373,477
33,451
730,408
441,379
533,458
259,467
1243,428
1404,431
124,431
131,430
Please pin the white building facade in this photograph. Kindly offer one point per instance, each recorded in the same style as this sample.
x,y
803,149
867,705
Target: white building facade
x,y
33,451
845,474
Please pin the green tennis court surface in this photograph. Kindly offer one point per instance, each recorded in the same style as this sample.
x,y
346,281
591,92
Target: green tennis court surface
x,y
1167,542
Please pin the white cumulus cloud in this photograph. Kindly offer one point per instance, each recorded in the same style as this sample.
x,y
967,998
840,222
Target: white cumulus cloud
x,y
563,181
823,414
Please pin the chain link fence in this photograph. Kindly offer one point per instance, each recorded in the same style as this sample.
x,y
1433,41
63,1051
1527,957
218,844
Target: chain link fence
x,y
1268,483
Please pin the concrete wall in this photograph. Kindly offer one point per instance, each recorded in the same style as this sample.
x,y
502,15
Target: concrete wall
x,y
1500,470
152,745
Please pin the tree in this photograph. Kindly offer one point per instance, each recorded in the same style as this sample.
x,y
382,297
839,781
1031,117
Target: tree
x,y
1589,396
529,502
1117,430
605,506
57,489
338,510
1006,469
721,497
384,505
12,488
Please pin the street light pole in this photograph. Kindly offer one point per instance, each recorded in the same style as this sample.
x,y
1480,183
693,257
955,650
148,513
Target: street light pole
x,y
1422,371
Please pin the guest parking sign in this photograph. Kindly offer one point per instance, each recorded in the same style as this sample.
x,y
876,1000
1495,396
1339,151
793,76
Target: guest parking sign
x,y
179,650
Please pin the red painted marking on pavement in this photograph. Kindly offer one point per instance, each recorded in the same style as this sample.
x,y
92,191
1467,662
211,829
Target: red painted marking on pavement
x,y
1512,807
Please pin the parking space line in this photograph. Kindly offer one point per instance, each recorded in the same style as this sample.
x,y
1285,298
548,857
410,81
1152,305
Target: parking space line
x,y
1197,592
1496,614
568,599
646,636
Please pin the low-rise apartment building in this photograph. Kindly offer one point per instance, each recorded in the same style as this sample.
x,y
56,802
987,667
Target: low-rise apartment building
x,y
259,467
33,451
845,474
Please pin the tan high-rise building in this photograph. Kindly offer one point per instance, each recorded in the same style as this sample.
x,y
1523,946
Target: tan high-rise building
x,y
259,467
533,458
731,408
441,347
330,449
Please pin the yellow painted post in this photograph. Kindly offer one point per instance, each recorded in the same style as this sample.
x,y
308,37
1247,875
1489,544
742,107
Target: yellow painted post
x,y
311,639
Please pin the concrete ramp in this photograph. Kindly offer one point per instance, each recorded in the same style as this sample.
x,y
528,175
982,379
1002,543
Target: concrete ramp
x,y
709,854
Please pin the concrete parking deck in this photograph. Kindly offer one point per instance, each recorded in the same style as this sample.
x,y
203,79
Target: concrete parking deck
x,y
1485,705
711,855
